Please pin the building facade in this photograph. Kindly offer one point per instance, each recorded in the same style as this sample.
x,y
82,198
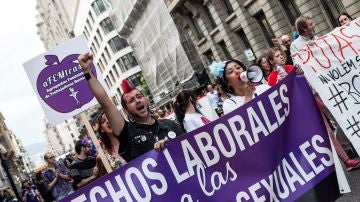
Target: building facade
x,y
223,29
158,45
112,53
54,21
14,155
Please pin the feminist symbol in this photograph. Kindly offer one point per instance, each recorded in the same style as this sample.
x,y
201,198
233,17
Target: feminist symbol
x,y
74,95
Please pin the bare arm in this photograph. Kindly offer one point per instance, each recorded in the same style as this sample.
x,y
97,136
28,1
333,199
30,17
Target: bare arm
x,y
51,185
113,114
280,47
89,179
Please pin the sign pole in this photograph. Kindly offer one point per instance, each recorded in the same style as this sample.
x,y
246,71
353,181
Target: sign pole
x,y
92,135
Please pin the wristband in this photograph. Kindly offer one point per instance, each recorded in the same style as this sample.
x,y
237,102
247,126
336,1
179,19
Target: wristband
x,y
87,76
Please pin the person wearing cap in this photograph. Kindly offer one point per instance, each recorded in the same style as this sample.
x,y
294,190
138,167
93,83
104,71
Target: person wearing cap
x,y
228,76
83,169
141,132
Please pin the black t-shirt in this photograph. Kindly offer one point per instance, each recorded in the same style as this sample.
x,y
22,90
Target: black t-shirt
x,y
82,169
136,139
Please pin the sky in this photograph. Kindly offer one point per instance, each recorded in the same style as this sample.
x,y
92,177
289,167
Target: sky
x,y
19,43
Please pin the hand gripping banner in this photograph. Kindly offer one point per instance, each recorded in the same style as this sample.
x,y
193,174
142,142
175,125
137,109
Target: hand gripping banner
x,y
274,148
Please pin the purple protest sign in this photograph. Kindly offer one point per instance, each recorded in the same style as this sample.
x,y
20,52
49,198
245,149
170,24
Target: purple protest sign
x,y
275,147
59,82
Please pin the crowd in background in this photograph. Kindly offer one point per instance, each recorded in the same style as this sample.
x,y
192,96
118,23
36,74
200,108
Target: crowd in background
x,y
125,138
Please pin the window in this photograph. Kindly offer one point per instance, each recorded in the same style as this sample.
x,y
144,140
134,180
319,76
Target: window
x,y
104,59
118,91
88,24
107,53
333,9
107,82
243,38
198,33
117,44
102,64
291,10
265,27
91,17
96,42
122,68
209,56
107,25
107,77
210,17
129,61
228,7
98,64
99,35
116,71
225,51
135,79
98,7
112,76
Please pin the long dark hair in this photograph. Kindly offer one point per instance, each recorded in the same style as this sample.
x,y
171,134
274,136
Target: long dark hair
x,y
224,82
103,136
181,102
266,56
346,14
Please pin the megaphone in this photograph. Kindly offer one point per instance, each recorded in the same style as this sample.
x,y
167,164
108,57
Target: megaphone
x,y
252,74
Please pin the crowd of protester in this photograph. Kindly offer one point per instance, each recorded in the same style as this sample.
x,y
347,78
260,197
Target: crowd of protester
x,y
124,138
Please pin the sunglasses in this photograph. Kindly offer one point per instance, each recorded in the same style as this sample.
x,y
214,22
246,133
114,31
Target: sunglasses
x,y
51,157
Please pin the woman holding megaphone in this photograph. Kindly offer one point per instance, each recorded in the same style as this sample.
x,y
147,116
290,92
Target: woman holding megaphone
x,y
231,75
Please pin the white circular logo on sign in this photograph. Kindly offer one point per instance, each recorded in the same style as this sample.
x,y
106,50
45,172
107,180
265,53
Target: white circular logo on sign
x,y
171,134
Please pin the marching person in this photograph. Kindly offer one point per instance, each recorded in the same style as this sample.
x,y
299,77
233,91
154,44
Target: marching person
x,y
83,169
110,145
228,76
263,63
305,28
286,41
56,177
344,19
186,112
142,132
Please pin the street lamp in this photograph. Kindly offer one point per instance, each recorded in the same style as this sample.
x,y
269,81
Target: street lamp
x,y
4,164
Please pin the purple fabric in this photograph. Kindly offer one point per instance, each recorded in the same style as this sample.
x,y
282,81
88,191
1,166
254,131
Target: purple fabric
x,y
61,84
236,172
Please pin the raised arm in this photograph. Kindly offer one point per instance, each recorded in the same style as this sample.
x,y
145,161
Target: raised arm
x,y
112,113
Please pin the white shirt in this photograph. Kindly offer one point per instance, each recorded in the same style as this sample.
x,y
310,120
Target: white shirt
x,y
299,43
235,102
194,121
213,98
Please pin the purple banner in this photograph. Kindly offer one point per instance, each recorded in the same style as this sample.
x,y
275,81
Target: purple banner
x,y
273,148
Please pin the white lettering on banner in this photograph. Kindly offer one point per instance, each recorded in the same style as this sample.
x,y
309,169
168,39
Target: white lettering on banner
x,y
217,179
158,190
122,193
97,190
207,148
332,67
270,188
289,169
211,146
149,182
